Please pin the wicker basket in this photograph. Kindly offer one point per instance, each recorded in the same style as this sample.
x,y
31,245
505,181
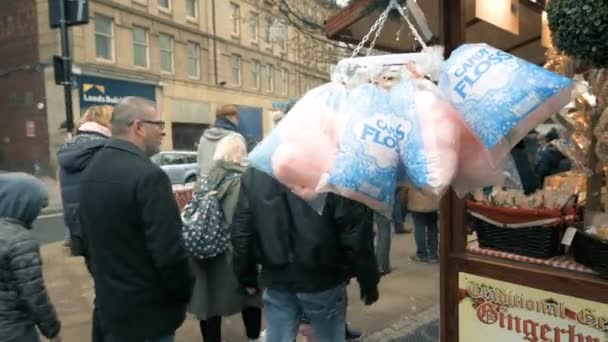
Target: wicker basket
x,y
535,233
591,252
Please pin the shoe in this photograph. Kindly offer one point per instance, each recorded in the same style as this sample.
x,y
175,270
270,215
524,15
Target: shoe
x,y
262,337
402,231
351,334
418,259
384,272
434,260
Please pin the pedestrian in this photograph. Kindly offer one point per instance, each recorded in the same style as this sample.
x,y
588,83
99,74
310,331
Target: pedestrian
x,y
383,243
400,212
551,160
305,328
529,180
216,289
94,131
423,208
132,229
226,124
24,301
306,258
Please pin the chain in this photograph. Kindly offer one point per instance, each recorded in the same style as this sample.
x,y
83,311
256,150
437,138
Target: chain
x,y
412,27
377,25
380,27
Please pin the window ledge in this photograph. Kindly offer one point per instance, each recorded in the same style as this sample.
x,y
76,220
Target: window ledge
x,y
192,20
165,10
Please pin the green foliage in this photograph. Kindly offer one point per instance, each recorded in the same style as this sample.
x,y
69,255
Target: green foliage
x,y
580,29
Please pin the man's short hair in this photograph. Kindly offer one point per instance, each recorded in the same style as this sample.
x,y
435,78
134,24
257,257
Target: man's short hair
x,y
129,109
226,111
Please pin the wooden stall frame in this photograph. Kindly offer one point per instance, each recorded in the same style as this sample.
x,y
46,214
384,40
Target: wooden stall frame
x,y
453,237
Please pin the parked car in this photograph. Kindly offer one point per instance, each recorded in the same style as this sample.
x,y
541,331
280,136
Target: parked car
x,y
181,166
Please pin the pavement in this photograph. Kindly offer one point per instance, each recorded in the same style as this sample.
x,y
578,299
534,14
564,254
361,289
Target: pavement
x,y
406,312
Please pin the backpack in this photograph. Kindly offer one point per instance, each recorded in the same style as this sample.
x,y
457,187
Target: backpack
x,y
203,222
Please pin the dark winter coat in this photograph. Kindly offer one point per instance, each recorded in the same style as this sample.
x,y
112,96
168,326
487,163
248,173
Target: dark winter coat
x,y
216,289
550,162
300,250
73,158
132,226
529,180
24,302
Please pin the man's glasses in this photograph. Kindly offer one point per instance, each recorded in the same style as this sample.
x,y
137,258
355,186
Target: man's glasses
x,y
160,124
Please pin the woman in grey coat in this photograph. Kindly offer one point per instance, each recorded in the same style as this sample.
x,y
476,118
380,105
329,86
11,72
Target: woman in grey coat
x,y
24,302
216,290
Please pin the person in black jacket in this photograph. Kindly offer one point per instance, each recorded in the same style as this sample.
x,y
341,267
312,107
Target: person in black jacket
x,y
132,229
73,157
306,258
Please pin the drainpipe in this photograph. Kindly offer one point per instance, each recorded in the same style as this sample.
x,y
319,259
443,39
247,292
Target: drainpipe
x,y
214,42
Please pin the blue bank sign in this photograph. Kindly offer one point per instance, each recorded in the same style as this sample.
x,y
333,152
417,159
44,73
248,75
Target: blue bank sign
x,y
104,91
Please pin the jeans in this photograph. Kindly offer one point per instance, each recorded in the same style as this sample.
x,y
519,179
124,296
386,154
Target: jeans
x,y
426,234
383,243
326,311
399,214
169,338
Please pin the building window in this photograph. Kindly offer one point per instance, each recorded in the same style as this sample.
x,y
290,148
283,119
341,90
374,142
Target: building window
x,y
12,98
236,70
267,29
28,98
254,27
140,47
194,60
284,81
164,4
104,38
269,78
166,53
255,74
235,11
192,8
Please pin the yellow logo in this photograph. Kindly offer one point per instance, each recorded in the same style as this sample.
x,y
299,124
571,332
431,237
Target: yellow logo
x,y
87,86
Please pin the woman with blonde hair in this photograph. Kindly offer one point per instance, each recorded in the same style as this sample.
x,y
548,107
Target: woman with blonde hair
x,y
94,131
217,292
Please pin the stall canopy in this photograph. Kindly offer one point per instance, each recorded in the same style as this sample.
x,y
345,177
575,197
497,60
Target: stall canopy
x,y
352,23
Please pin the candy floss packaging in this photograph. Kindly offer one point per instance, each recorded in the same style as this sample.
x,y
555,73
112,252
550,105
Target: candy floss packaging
x,y
430,155
304,144
501,97
366,165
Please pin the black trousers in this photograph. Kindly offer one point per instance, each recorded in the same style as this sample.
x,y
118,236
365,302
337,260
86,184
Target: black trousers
x,y
98,335
211,329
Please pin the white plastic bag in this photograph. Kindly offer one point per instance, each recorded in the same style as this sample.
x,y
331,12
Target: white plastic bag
x,y
304,144
365,168
430,155
501,97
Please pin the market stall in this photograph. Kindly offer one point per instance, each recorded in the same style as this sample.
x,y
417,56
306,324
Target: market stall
x,y
522,274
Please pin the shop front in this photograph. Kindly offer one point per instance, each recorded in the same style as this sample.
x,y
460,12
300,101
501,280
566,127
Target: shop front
x,y
95,90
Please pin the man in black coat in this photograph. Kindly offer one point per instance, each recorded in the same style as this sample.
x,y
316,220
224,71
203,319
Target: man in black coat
x,y
306,258
132,230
